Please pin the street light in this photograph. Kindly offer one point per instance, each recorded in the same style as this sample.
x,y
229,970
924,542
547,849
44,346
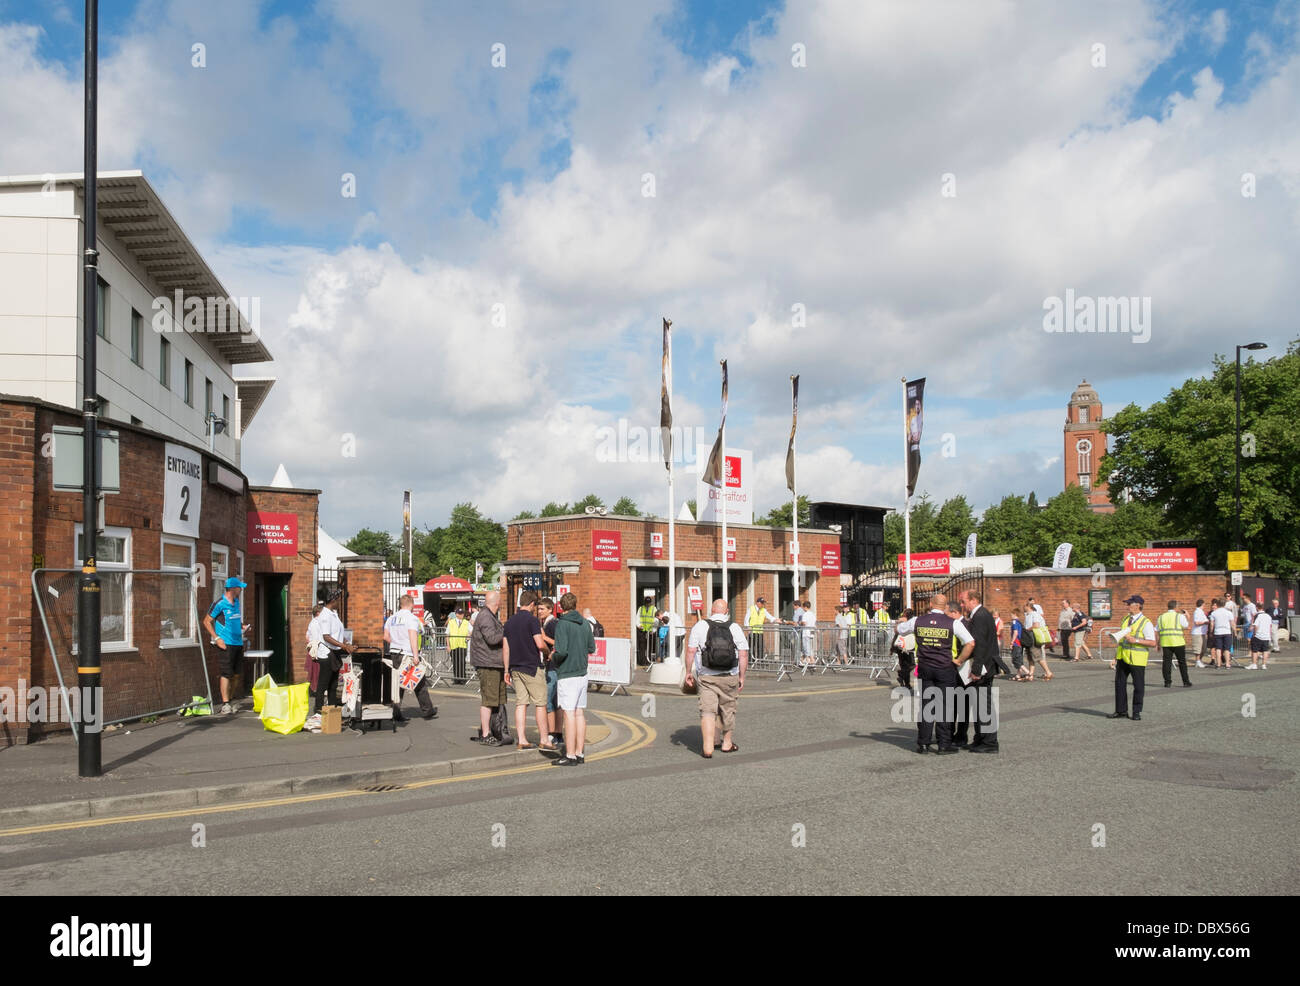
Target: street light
x,y
1237,482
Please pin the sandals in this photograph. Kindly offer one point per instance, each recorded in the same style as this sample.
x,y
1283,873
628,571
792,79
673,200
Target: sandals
x,y
526,746
707,756
734,747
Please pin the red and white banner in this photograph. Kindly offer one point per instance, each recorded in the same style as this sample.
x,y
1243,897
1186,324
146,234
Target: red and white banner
x,y
612,662
928,562
656,544
830,559
731,549
272,534
696,595
606,551
1159,559
1259,595
1290,600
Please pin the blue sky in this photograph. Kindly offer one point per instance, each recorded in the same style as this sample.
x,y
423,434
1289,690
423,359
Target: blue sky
x,y
523,184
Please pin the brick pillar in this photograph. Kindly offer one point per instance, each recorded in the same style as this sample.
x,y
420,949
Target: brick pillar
x,y
362,609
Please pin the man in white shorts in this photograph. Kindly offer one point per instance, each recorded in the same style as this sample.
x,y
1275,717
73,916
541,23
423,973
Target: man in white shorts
x,y
573,642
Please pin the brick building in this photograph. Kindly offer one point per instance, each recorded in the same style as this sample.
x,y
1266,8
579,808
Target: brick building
x,y
1083,445
610,562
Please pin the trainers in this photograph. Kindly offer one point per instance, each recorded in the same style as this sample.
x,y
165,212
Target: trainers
x,y
490,741
1252,667
1199,664
226,710
569,761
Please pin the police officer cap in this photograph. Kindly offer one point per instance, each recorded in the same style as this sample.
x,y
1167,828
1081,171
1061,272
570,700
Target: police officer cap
x,y
1135,599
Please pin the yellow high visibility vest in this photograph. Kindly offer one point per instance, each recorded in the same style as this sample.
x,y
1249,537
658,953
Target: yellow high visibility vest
x,y
756,619
1169,630
1126,652
457,633
646,617
882,616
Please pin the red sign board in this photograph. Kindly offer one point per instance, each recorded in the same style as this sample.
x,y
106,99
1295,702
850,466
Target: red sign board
x,y
696,595
1290,600
600,656
733,471
831,559
1159,559
1259,595
731,549
656,545
606,551
928,562
272,534
447,583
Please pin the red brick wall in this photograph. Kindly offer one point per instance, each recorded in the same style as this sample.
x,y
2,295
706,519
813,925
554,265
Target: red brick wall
x,y
608,593
362,609
38,528
300,567
1004,592
17,494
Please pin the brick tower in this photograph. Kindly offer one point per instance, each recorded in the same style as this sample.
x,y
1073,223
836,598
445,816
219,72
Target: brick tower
x,y
1084,445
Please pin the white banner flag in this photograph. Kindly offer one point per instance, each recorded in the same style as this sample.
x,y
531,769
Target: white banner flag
x,y
1062,557
970,546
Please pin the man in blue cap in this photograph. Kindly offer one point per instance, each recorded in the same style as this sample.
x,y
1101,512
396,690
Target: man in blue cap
x,y
229,633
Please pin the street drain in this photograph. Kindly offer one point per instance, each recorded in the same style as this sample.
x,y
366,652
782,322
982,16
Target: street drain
x,y
1196,768
383,788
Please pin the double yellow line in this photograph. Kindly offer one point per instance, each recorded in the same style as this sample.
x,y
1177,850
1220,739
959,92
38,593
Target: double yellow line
x,y
642,735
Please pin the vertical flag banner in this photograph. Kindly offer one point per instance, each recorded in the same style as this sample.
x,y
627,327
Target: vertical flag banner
x,y
406,527
915,416
970,546
1061,559
794,423
714,469
665,399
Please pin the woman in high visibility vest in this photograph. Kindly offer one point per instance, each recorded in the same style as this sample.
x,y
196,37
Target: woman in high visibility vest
x,y
1136,637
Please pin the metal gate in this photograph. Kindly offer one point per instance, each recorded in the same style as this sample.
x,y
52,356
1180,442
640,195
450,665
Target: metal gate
x,y
543,583
970,580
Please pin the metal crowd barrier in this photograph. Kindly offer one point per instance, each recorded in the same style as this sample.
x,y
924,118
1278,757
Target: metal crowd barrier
x,y
448,666
787,650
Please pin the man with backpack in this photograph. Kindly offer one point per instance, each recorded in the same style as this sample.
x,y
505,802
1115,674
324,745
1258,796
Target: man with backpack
x,y
717,657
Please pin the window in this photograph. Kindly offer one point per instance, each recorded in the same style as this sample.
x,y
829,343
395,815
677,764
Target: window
x,y
176,596
220,569
225,412
113,560
101,406
1084,449
239,565
207,399
164,363
189,383
1085,482
1083,415
101,307
137,337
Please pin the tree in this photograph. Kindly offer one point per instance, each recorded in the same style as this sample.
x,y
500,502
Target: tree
x,y
368,542
690,505
590,500
952,525
780,516
524,515
1006,527
1179,455
923,517
626,507
554,509
469,537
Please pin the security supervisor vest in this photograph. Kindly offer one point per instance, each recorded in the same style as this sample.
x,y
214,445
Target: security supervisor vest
x,y
1125,651
936,643
1170,630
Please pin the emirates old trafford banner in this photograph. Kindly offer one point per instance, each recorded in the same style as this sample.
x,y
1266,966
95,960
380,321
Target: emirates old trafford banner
x,y
915,415
738,493
182,490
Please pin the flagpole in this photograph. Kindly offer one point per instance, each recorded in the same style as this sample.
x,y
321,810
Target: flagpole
x,y
722,504
672,530
794,500
907,510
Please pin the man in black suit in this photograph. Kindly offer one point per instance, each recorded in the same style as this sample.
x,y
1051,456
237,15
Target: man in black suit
x,y
984,668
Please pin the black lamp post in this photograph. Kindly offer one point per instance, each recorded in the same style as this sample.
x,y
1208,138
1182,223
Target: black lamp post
x,y
1237,480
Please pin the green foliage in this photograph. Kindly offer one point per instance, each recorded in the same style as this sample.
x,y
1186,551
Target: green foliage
x,y
554,509
780,516
469,537
368,542
524,515
1178,456
590,500
626,506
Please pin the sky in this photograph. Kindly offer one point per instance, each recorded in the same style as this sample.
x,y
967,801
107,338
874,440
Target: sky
x,y
853,192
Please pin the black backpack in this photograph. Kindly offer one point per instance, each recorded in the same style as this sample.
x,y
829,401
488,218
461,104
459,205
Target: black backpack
x,y
719,648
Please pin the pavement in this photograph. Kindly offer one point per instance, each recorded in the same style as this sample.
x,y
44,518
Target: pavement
x,y
177,762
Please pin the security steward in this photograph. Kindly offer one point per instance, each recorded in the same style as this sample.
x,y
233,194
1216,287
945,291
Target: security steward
x,y
646,624
938,656
757,618
1170,626
1131,658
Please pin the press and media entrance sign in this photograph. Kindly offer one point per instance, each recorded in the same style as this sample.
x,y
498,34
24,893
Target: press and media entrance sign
x,y
1159,559
272,534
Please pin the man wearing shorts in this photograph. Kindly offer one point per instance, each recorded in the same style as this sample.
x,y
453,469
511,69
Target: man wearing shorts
x,y
573,642
485,653
1220,634
229,634
719,688
522,657
1200,631
1259,643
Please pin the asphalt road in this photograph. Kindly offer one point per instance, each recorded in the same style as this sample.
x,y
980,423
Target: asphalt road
x,y
825,796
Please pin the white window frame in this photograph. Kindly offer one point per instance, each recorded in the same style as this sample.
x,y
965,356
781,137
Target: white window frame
x,y
193,638
219,584
239,556
128,644
1083,415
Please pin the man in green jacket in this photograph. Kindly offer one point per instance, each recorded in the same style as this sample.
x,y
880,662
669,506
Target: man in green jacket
x,y
573,642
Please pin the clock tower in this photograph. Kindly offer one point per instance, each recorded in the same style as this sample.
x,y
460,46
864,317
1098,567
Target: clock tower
x,y
1085,444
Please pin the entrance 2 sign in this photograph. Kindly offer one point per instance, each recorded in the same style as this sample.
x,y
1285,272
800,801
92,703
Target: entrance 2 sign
x,y
1159,559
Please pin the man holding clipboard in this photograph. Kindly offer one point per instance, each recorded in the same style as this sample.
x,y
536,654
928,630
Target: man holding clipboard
x,y
1134,640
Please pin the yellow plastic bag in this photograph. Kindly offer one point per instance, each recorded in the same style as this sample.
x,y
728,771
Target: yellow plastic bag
x,y
284,708
259,690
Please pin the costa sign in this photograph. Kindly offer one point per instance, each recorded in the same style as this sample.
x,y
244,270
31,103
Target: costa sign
x,y
1159,559
927,562
446,583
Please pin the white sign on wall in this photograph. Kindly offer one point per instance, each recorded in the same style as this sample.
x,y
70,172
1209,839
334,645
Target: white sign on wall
x,y
739,488
182,490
